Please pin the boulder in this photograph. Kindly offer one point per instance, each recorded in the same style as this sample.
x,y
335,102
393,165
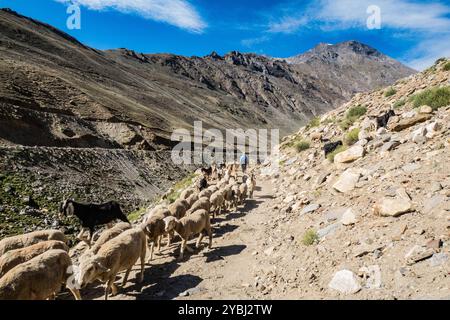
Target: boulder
x,y
392,207
349,217
409,122
347,181
350,154
426,109
345,282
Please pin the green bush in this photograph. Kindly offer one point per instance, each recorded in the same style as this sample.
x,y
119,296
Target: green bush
x,y
434,97
399,104
390,92
302,146
339,149
353,114
351,137
310,237
356,112
446,66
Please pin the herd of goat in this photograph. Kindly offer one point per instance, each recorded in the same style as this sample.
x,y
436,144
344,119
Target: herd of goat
x,y
37,265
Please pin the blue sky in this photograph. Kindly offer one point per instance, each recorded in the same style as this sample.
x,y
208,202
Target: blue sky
x,y
415,32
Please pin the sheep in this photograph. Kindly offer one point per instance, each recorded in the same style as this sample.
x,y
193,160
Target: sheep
x,y
236,191
154,210
227,193
202,203
213,188
105,236
383,120
216,201
178,208
186,193
154,230
39,278
28,239
188,226
92,215
205,193
251,185
243,192
15,257
192,199
118,254
330,147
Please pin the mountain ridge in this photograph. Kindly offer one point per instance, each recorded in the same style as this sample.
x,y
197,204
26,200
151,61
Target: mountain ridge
x,y
84,97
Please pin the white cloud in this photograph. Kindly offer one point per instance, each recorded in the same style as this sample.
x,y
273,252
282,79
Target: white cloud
x,y
179,13
288,24
399,14
254,41
427,52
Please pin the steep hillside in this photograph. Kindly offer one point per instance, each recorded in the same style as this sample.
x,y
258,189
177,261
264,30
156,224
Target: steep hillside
x,y
372,220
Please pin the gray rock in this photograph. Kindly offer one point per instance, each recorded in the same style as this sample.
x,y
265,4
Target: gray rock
x,y
328,230
434,202
345,282
388,146
310,208
411,167
438,259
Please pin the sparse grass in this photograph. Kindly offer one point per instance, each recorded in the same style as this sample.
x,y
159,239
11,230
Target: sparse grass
x,y
446,66
315,122
434,97
339,149
440,60
310,237
399,104
390,92
293,142
353,114
329,120
180,186
351,137
135,215
345,124
302,146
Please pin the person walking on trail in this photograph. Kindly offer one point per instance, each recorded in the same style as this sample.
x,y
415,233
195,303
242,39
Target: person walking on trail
x,y
244,162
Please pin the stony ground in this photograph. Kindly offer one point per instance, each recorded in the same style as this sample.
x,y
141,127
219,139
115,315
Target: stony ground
x,y
374,223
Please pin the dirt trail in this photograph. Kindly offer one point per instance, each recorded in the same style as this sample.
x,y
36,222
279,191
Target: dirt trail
x,y
224,272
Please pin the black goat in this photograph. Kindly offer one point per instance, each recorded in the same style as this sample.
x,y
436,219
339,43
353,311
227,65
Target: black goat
x,y
330,147
92,215
207,171
383,120
203,184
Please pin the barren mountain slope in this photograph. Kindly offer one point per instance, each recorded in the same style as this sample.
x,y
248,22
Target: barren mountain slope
x,y
55,91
